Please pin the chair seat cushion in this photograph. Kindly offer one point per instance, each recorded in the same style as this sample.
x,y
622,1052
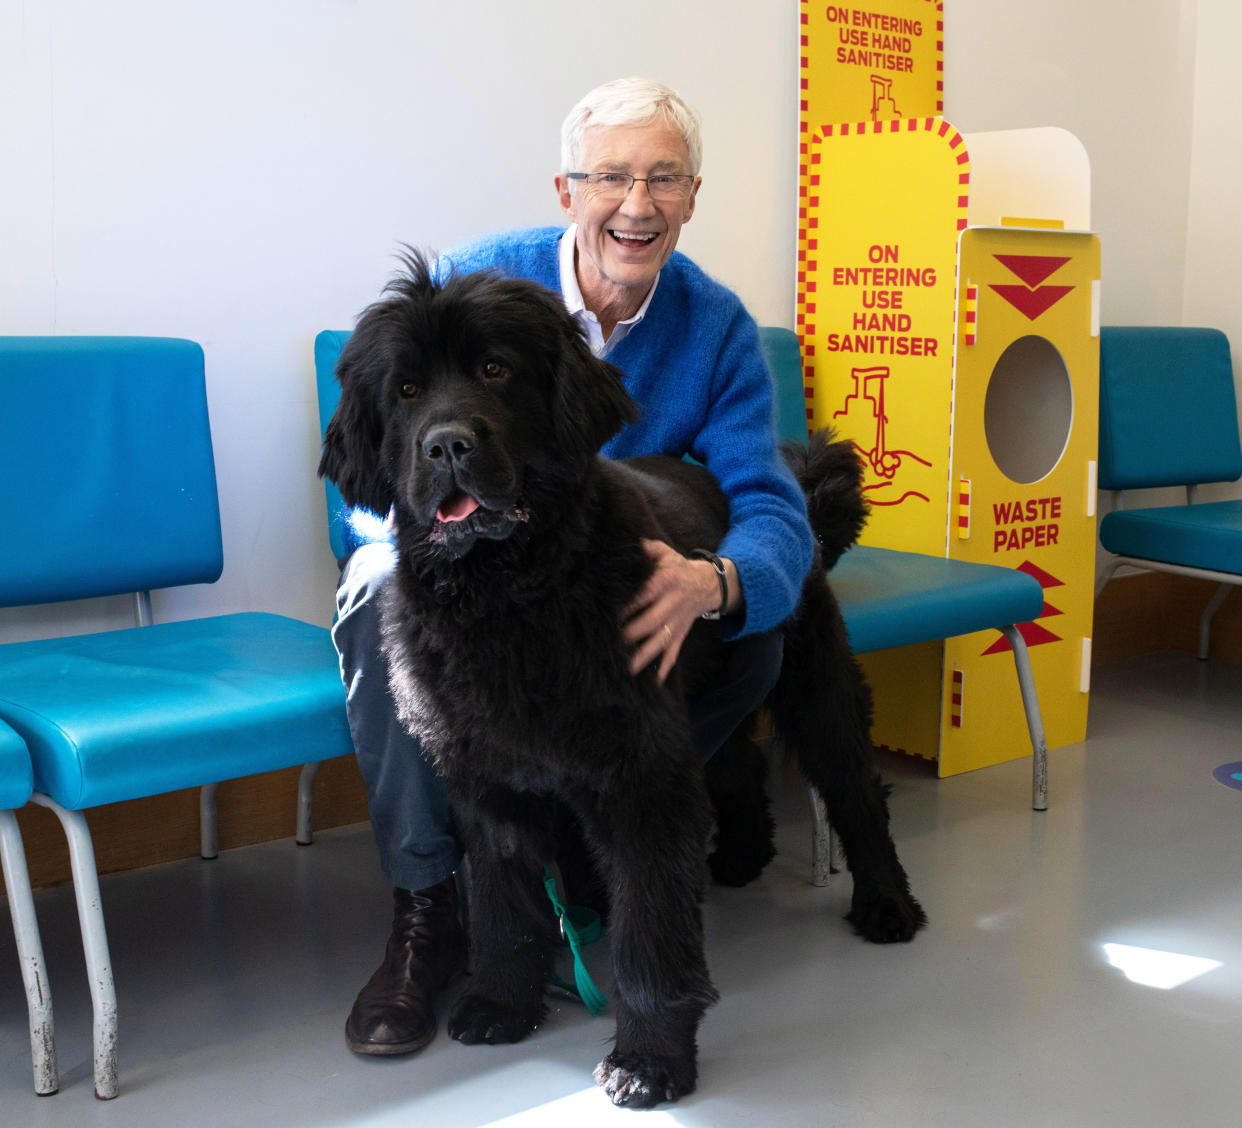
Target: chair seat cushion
x,y
890,598
15,776
1194,536
123,714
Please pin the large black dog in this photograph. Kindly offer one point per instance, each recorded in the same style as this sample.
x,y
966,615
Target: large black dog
x,y
474,411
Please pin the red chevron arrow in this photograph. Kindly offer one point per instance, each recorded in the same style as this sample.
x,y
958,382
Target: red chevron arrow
x,y
1032,633
1032,303
1046,579
1032,269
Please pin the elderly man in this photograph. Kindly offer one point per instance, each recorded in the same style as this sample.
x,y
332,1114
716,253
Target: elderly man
x,y
631,154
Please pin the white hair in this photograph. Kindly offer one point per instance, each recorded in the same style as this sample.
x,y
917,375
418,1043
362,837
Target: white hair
x,y
631,101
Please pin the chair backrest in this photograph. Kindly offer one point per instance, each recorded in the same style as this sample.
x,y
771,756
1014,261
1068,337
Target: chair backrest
x,y
328,346
106,469
1168,413
784,356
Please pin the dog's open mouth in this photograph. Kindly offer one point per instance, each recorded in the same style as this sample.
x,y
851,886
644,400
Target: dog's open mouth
x,y
462,519
456,507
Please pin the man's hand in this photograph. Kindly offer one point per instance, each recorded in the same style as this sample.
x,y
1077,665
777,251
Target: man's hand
x,y
679,592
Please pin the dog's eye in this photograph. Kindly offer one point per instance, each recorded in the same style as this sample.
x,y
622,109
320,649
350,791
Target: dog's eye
x,y
408,390
494,371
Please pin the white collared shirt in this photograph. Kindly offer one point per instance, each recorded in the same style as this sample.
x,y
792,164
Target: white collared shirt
x,y
571,292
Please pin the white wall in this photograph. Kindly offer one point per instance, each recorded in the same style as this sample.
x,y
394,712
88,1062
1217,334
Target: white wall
x,y
241,172
1117,74
1212,295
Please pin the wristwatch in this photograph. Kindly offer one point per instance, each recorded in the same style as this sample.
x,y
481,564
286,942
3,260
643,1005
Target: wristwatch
x,y
718,564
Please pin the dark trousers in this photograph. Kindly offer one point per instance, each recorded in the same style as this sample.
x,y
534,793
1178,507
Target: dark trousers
x,y
410,813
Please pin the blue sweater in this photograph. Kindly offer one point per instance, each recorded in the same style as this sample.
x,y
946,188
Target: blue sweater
x,y
693,365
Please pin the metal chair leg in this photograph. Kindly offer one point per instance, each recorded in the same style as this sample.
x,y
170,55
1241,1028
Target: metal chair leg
x,y
306,792
1205,620
1105,575
821,834
94,944
30,953
827,857
208,827
208,833
1034,722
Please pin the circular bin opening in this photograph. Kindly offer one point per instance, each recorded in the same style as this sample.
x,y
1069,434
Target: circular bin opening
x,y
1028,409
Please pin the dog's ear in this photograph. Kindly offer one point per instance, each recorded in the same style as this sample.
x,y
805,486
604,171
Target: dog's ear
x,y
352,444
353,454
590,403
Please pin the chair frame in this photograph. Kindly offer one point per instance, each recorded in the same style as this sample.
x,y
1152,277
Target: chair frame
x,y
30,955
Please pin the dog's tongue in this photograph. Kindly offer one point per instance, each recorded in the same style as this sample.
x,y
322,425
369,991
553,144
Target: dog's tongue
x,y
457,508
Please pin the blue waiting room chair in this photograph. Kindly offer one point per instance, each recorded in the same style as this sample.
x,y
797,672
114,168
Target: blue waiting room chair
x,y
1169,417
887,598
105,443
16,781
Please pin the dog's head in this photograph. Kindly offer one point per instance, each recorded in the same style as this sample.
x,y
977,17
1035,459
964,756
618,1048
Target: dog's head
x,y
464,402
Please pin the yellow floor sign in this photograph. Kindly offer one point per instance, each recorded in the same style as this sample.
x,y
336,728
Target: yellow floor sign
x,y
1023,471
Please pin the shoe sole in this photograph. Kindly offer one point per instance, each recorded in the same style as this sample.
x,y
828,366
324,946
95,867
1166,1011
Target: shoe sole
x,y
388,1049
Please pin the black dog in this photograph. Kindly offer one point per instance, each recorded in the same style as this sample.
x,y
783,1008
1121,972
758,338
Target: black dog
x,y
474,412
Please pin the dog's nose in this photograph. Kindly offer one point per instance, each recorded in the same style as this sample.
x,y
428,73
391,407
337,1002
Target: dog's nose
x,y
448,442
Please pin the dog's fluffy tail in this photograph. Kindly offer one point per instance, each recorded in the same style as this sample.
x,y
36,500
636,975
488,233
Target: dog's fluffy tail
x,y
830,472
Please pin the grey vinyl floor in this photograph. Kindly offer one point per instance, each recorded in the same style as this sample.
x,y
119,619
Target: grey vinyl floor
x,y
234,977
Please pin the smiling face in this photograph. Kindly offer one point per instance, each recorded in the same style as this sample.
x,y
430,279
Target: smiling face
x,y
622,244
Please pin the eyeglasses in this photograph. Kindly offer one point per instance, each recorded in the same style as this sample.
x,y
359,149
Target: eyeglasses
x,y
617,185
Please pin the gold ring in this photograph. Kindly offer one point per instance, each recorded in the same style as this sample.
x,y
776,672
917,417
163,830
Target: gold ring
x,y
668,634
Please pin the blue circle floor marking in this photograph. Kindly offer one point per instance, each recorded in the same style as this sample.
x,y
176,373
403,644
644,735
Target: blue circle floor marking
x,y
1230,775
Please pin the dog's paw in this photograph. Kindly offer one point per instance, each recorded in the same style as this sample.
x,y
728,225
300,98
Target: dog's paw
x,y
636,1082
886,916
475,1019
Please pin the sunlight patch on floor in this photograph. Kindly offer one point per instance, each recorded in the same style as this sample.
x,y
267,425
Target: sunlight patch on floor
x,y
1152,968
575,1110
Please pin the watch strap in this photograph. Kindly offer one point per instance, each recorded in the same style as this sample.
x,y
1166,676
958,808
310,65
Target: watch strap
x,y
722,578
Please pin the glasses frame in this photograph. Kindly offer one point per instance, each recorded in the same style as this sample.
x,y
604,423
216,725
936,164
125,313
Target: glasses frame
x,y
686,178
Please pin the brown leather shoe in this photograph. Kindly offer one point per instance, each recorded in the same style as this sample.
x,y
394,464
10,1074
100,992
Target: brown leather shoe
x,y
395,1012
